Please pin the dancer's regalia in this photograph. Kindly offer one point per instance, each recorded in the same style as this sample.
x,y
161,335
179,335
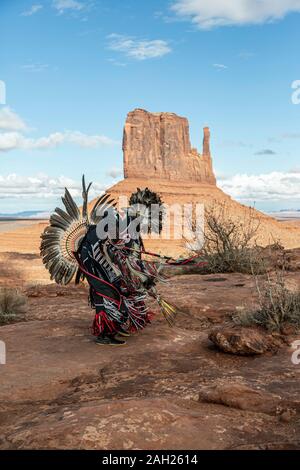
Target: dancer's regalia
x,y
120,280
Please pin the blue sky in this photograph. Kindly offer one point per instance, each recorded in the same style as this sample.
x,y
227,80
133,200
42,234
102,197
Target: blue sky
x,y
74,69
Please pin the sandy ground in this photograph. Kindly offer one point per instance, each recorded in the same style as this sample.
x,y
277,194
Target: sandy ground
x,y
13,225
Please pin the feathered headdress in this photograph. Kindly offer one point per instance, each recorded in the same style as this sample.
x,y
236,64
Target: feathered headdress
x,y
67,228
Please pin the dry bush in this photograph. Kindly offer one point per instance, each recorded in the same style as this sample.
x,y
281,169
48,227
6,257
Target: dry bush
x,y
278,306
229,243
12,305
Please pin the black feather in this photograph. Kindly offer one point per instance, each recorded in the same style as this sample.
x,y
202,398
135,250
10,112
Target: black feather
x,y
99,201
70,205
57,221
63,214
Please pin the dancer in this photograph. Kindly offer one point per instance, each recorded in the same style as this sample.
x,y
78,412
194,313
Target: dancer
x,y
105,248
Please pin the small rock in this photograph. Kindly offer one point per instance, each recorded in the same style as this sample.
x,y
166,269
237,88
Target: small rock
x,y
288,330
287,415
245,341
241,396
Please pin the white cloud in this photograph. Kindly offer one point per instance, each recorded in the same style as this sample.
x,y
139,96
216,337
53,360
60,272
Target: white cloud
x,y
10,121
236,143
35,67
87,141
275,186
246,55
138,49
285,136
207,14
115,172
42,187
116,62
16,140
220,66
291,135
34,9
12,136
71,5
265,152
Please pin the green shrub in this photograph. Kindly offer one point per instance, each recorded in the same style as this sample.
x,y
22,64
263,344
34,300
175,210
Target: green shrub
x,y
229,242
278,306
12,305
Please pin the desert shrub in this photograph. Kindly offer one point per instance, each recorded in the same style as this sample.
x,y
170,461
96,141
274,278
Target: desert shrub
x,y
12,305
229,243
278,305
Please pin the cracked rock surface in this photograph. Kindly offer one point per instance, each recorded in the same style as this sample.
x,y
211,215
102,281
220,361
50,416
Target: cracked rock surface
x,y
168,388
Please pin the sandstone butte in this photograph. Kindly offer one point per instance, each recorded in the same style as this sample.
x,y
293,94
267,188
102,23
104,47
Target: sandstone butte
x,y
157,153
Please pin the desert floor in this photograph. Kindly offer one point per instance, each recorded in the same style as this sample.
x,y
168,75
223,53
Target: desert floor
x,y
167,388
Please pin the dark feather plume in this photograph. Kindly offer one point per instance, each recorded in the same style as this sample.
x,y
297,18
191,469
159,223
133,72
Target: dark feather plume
x,y
64,232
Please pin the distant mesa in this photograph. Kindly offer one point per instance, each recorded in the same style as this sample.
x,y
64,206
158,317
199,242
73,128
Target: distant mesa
x,y
157,145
